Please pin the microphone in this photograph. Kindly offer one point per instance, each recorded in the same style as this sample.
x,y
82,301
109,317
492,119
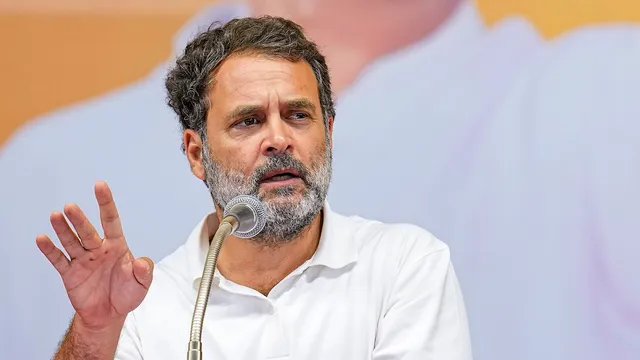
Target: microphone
x,y
244,216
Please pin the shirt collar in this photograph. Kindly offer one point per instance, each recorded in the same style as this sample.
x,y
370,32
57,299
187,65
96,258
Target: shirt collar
x,y
336,248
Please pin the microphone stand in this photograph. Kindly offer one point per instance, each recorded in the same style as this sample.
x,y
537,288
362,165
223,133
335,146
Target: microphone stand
x,y
229,225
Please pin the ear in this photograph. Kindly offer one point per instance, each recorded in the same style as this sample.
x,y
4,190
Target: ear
x,y
193,148
330,130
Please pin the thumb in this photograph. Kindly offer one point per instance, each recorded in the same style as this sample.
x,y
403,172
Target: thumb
x,y
143,271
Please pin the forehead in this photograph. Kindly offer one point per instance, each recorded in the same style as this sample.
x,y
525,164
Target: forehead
x,y
258,78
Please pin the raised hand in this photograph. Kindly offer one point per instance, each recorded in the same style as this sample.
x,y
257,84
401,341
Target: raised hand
x,y
103,280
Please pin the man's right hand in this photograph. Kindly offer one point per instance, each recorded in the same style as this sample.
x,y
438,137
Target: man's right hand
x,y
102,278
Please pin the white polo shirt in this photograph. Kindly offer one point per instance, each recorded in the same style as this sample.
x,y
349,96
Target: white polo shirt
x,y
370,291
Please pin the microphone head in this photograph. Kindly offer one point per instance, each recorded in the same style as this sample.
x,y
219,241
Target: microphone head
x,y
251,214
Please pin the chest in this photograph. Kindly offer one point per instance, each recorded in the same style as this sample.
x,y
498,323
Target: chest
x,y
309,317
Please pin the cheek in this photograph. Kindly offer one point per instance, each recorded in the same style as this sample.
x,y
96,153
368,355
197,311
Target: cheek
x,y
237,158
315,150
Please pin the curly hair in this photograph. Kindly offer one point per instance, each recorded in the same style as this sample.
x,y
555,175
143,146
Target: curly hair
x,y
188,82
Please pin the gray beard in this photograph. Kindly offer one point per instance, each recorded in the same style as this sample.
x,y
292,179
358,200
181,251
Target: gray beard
x,y
289,210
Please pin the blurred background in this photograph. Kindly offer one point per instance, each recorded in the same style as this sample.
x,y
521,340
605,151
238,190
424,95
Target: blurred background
x,y
508,128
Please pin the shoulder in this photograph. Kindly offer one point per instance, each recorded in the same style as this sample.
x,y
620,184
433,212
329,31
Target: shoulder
x,y
396,242
172,271
397,257
170,288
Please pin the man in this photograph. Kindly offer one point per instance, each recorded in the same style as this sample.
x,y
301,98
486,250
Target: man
x,y
255,104
520,151
130,141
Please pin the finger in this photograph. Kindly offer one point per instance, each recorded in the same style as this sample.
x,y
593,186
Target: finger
x,y
55,256
108,212
86,232
143,271
67,237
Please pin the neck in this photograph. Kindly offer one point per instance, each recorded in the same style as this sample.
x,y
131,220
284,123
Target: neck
x,y
262,267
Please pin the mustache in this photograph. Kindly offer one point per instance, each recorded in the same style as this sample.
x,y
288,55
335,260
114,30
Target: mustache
x,y
277,162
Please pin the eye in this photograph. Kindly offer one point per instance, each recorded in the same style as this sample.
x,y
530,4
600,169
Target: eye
x,y
299,115
248,122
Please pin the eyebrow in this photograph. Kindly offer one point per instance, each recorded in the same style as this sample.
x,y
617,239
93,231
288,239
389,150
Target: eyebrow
x,y
246,110
242,111
301,103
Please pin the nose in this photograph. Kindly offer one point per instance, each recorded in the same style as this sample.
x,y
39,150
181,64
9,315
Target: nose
x,y
278,137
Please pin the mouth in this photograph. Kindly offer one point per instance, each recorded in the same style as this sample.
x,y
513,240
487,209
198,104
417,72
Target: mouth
x,y
281,176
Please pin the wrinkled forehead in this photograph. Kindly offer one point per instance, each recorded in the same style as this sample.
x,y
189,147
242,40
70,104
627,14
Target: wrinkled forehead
x,y
257,79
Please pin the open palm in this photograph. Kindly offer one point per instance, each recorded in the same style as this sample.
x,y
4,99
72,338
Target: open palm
x,y
103,280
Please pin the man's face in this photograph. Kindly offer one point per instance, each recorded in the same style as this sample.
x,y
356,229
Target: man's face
x,y
266,137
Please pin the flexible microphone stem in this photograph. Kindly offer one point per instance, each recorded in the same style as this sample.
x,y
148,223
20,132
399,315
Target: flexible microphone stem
x,y
228,225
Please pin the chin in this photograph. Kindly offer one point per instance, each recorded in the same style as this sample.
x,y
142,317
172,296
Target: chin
x,y
282,194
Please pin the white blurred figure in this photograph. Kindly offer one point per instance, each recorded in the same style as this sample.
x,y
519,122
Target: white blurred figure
x,y
521,154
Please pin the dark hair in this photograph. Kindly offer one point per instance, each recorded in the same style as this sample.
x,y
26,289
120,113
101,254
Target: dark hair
x,y
188,81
